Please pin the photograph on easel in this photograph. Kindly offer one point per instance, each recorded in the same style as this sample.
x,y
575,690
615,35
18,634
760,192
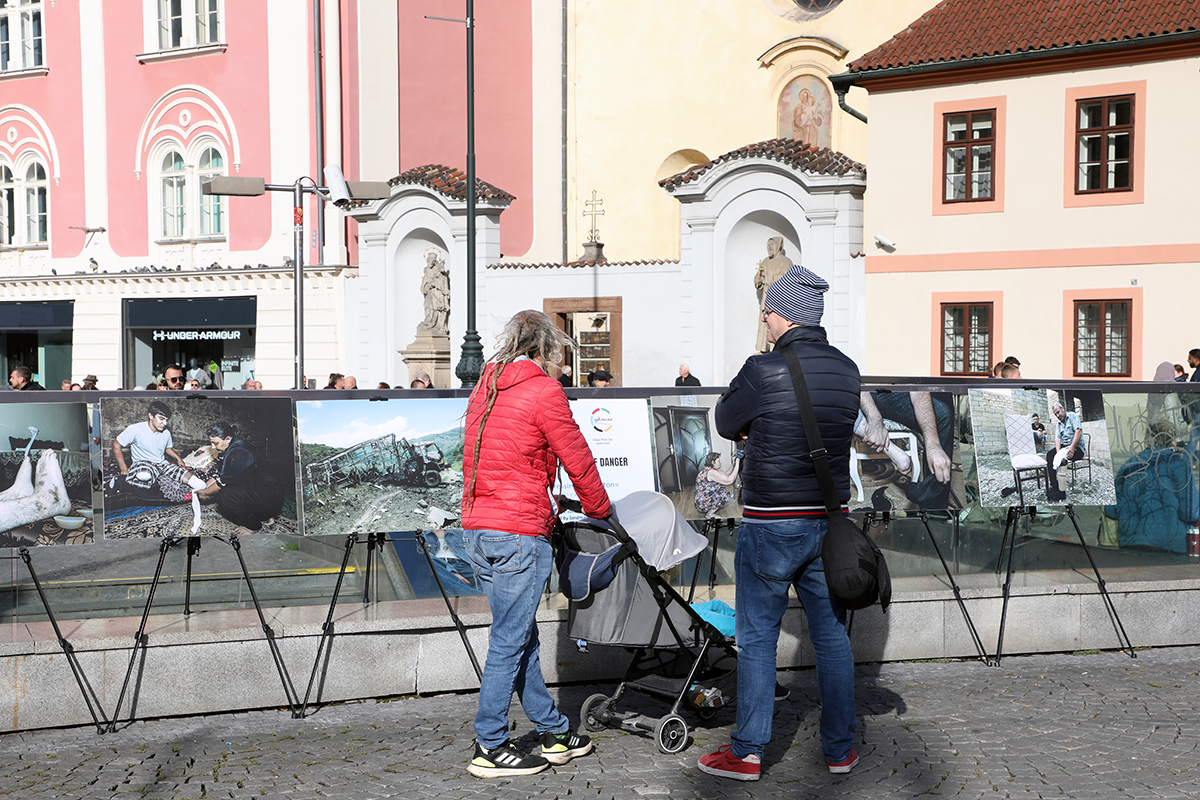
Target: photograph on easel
x,y
693,465
197,466
380,467
1040,447
45,475
905,454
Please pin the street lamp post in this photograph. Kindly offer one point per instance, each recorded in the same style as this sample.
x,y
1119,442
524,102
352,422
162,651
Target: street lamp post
x,y
471,365
340,191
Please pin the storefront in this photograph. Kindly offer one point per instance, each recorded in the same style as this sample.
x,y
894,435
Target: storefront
x,y
215,335
38,336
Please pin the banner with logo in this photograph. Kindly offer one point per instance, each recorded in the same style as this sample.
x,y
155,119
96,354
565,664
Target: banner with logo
x,y
618,432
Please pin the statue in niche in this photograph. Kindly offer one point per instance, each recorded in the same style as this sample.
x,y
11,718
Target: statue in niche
x,y
770,269
435,285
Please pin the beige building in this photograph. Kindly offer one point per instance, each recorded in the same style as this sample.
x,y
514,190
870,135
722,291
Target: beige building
x,y
1025,200
655,88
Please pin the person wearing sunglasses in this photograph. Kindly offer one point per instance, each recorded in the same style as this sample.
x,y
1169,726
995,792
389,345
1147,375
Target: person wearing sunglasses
x,y
173,375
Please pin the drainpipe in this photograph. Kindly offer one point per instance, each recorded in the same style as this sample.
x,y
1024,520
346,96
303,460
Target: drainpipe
x,y
841,84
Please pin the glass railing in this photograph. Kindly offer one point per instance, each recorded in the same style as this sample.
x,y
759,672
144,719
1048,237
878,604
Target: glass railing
x,y
1142,452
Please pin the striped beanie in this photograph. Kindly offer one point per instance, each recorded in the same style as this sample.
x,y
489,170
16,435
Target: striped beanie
x,y
797,296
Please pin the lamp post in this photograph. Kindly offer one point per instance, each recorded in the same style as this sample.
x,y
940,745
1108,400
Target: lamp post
x,y
471,364
339,191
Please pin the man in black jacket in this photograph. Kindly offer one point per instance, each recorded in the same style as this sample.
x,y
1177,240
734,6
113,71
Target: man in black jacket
x,y
784,522
21,379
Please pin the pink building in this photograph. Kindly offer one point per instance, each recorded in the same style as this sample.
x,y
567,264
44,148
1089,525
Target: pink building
x,y
112,115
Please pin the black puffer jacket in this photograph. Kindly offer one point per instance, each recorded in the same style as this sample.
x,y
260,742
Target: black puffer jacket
x,y
778,470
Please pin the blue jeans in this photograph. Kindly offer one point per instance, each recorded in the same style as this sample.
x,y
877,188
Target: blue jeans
x,y
771,557
513,570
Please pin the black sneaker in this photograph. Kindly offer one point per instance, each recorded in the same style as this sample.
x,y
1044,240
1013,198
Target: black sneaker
x,y
781,692
559,748
504,761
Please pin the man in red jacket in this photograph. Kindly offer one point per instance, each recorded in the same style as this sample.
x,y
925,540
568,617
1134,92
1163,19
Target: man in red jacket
x,y
518,428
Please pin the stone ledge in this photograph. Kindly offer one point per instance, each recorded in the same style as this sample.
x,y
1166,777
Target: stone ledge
x,y
220,661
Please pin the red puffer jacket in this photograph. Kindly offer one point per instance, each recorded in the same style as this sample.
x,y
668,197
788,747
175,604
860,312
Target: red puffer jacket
x,y
529,430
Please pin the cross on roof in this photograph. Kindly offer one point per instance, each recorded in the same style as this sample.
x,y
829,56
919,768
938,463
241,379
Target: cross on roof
x,y
595,208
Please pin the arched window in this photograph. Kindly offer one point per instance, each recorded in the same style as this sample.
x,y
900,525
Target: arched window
x,y
174,196
185,213
36,215
8,206
212,207
24,205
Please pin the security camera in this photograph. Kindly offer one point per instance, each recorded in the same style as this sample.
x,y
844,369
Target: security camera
x,y
335,182
885,242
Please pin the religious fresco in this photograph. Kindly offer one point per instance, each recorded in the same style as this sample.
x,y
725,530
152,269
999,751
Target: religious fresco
x,y
805,110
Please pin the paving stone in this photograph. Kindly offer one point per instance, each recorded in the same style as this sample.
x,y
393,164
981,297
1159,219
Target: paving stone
x,y
1057,726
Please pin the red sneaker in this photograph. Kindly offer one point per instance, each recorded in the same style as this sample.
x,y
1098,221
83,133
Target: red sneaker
x,y
724,763
846,765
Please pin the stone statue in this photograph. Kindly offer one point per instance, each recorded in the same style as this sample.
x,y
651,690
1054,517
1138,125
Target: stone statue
x,y
435,285
770,269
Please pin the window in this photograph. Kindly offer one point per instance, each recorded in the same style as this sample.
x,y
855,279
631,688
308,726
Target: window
x,y
184,212
174,189
1104,137
1102,338
24,206
20,35
212,207
967,339
35,204
188,23
968,142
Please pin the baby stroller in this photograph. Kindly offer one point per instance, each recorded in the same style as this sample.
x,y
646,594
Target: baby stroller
x,y
612,577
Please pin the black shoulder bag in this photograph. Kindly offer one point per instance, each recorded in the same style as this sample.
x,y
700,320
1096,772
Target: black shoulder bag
x,y
855,570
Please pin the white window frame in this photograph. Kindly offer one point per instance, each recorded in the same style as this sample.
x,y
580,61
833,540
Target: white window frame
x,y
17,220
196,207
175,26
25,49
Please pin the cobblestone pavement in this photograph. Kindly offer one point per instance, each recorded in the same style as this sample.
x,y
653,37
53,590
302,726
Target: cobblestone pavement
x,y
1097,725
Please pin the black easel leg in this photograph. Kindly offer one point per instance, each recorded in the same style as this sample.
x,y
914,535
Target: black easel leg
x,y
370,569
1122,637
193,547
139,638
327,628
711,527
89,695
462,631
954,585
288,688
712,564
1004,538
1014,515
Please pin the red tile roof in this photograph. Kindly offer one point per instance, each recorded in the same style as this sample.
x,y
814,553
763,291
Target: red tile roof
x,y
450,182
578,264
796,154
958,30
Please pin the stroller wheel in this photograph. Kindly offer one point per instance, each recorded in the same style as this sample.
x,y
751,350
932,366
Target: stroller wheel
x,y
671,733
594,712
707,712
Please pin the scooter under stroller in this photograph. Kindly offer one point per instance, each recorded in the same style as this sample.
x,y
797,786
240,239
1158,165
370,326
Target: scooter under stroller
x,y
676,653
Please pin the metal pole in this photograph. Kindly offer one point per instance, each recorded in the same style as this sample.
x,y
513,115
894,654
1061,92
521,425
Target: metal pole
x,y
319,86
472,351
298,279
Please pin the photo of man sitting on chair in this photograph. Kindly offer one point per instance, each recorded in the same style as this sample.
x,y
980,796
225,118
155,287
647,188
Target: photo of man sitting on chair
x,y
1068,446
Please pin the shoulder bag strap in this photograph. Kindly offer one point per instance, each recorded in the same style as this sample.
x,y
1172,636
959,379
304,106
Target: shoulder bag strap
x,y
820,456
